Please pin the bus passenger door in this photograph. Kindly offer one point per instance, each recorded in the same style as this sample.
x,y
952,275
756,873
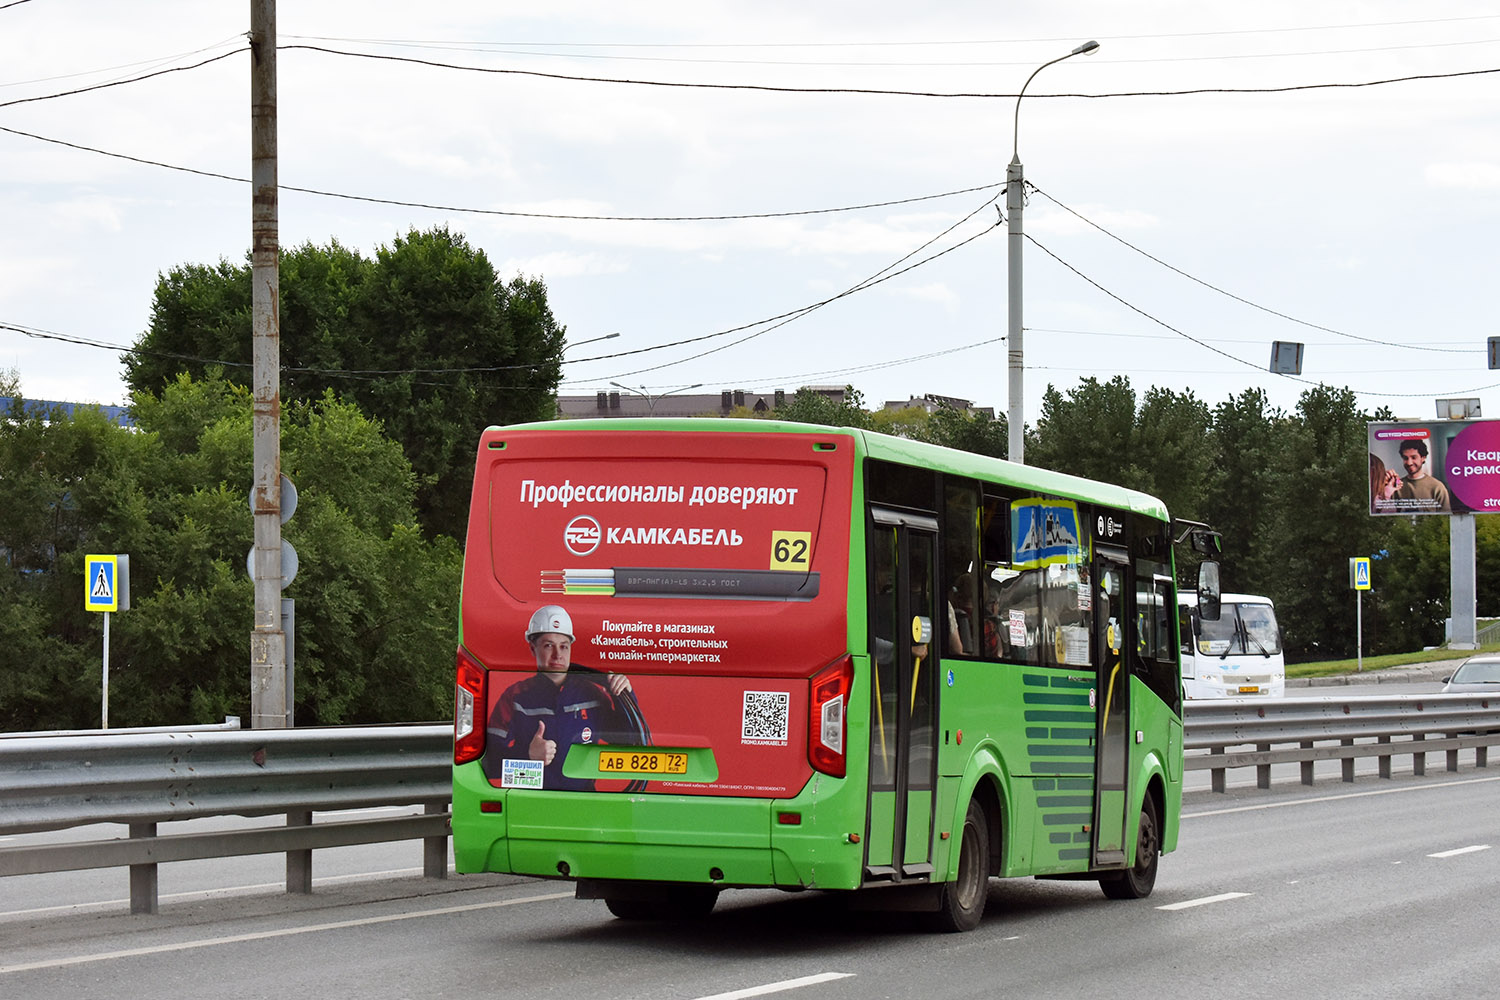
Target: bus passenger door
x,y
1112,726
905,622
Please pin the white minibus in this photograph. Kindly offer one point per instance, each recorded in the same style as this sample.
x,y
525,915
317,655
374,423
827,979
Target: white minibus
x,y
1237,656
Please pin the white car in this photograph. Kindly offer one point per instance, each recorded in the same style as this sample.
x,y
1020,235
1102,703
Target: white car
x,y
1477,674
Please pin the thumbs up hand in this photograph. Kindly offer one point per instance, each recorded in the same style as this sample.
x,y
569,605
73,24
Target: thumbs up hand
x,y
541,748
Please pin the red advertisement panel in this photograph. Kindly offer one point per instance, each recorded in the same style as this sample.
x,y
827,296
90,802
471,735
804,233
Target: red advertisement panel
x,y
669,594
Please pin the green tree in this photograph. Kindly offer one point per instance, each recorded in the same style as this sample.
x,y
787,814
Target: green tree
x,y
810,407
1090,432
1487,565
979,433
423,338
910,422
1408,600
68,484
1173,442
376,603
1162,448
1321,518
1249,441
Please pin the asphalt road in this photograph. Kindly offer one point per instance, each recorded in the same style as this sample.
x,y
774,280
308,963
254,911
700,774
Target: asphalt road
x,y
1375,889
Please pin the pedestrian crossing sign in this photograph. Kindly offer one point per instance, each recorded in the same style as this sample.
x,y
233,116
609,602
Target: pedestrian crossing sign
x,y
1359,573
101,590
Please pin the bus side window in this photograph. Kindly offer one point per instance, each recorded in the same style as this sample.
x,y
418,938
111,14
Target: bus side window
x,y
1011,598
1185,629
960,565
1067,617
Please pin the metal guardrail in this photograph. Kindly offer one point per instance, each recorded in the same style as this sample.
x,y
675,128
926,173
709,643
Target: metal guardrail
x,y
1220,735
231,722
143,778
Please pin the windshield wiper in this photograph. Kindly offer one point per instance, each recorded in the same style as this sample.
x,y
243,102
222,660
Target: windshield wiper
x,y
1247,638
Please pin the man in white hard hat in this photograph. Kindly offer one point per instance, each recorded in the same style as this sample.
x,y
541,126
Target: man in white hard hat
x,y
563,704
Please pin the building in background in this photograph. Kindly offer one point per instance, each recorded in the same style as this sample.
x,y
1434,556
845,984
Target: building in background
x,y
34,407
931,402
617,403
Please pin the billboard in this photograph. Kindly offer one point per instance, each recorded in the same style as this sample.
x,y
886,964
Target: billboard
x,y
1435,467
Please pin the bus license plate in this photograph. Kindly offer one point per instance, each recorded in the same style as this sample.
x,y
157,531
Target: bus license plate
x,y
642,762
1249,689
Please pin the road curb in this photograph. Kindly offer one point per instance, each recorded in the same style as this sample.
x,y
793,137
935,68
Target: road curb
x,y
1436,671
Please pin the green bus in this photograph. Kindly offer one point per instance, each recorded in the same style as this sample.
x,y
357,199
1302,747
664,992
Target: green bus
x,y
709,654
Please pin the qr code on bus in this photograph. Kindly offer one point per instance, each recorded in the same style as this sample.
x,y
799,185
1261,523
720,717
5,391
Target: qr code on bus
x,y
765,718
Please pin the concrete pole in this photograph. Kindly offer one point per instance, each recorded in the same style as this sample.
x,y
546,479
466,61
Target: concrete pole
x,y
267,640
1463,590
1015,199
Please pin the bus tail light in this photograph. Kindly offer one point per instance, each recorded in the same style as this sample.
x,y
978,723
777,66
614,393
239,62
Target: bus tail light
x,y
469,700
826,718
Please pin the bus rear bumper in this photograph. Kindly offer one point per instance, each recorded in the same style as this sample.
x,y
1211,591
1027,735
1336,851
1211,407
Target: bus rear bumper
x,y
647,837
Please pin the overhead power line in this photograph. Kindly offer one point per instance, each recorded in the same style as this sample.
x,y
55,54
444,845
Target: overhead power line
x,y
1208,346
876,91
1238,298
587,51
880,276
908,43
516,213
120,83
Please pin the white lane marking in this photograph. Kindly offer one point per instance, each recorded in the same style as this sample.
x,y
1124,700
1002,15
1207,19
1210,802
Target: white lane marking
x,y
58,963
201,894
1188,904
1460,850
785,984
1334,798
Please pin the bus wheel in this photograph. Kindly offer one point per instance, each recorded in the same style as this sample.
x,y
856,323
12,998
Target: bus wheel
x,y
1137,881
961,902
682,903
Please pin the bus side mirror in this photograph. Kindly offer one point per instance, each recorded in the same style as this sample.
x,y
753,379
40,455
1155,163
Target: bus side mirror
x,y
1206,542
1208,591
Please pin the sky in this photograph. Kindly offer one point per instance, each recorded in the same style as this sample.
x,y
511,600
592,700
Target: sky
x,y
769,195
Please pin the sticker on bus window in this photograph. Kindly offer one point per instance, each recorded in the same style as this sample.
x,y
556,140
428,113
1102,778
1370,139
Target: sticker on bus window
x,y
1017,627
1045,533
521,774
765,718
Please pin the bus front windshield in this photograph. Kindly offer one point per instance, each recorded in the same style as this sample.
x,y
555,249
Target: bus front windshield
x,y
1241,629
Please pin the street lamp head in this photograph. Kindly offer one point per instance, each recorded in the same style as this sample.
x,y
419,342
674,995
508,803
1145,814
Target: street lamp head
x,y
1088,48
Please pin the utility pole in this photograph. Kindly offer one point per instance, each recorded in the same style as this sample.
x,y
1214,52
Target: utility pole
x,y
1015,203
268,639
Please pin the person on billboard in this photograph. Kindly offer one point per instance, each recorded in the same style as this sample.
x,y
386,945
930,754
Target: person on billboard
x,y
562,705
1417,484
1385,483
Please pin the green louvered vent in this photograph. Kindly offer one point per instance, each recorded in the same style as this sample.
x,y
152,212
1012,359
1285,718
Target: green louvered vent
x,y
1060,745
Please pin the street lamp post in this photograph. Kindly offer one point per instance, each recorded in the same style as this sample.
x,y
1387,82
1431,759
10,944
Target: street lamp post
x,y
1014,200
651,400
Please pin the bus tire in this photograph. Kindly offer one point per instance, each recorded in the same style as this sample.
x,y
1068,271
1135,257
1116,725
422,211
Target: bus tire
x,y
685,903
961,902
1137,881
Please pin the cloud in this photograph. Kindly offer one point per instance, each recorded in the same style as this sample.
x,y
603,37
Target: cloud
x,y
1051,219
938,293
1467,176
562,265
92,212
21,272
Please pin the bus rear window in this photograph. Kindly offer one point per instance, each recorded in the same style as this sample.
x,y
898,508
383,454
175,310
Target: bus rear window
x,y
695,553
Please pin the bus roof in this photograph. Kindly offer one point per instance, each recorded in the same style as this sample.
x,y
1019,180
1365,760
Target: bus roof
x,y
888,448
